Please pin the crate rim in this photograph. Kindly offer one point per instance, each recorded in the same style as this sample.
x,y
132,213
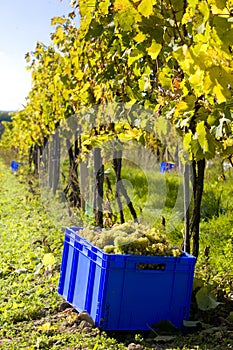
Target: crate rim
x,y
76,229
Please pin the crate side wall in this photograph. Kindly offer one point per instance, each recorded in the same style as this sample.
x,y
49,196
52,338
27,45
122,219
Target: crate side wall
x,y
117,294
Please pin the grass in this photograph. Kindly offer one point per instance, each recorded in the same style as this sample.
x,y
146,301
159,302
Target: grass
x,y
33,315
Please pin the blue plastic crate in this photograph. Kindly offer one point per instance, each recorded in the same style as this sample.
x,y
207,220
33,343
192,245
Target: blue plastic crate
x,y
14,165
116,293
166,167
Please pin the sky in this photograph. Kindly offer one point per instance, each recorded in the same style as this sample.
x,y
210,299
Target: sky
x,y
22,24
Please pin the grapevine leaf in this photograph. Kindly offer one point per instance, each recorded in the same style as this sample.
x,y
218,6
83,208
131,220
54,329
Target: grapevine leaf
x,y
196,81
57,20
187,141
218,7
205,299
211,146
125,20
219,92
204,9
140,37
86,7
130,94
146,8
164,338
135,55
201,136
154,49
103,7
121,5
191,324
196,149
165,78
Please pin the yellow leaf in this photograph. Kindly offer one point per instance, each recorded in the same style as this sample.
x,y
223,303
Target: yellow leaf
x,y
140,37
187,141
217,90
72,317
181,106
165,78
98,92
200,135
154,49
46,327
56,78
120,5
184,58
48,260
79,75
27,57
86,7
146,8
57,20
134,56
103,6
60,33
218,8
204,9
196,79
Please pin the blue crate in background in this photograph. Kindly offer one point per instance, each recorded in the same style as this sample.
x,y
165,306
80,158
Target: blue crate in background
x,y
14,165
117,293
165,167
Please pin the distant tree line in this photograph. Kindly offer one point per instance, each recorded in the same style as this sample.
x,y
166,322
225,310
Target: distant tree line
x,y
4,117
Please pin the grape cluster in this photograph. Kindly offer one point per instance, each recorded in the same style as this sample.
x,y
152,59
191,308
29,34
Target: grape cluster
x,y
131,238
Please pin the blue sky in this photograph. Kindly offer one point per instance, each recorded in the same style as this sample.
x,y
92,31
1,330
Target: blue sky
x,y
22,24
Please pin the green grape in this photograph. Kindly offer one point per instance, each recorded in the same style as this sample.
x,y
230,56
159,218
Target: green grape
x,y
109,249
132,238
176,252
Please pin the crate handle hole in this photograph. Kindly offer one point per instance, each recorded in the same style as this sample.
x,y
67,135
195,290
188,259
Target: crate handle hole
x,y
144,266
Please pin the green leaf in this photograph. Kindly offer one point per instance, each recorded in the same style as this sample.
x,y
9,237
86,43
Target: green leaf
x,y
197,283
211,146
124,20
165,78
205,299
130,93
142,140
230,317
196,149
154,49
191,324
125,15
164,338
